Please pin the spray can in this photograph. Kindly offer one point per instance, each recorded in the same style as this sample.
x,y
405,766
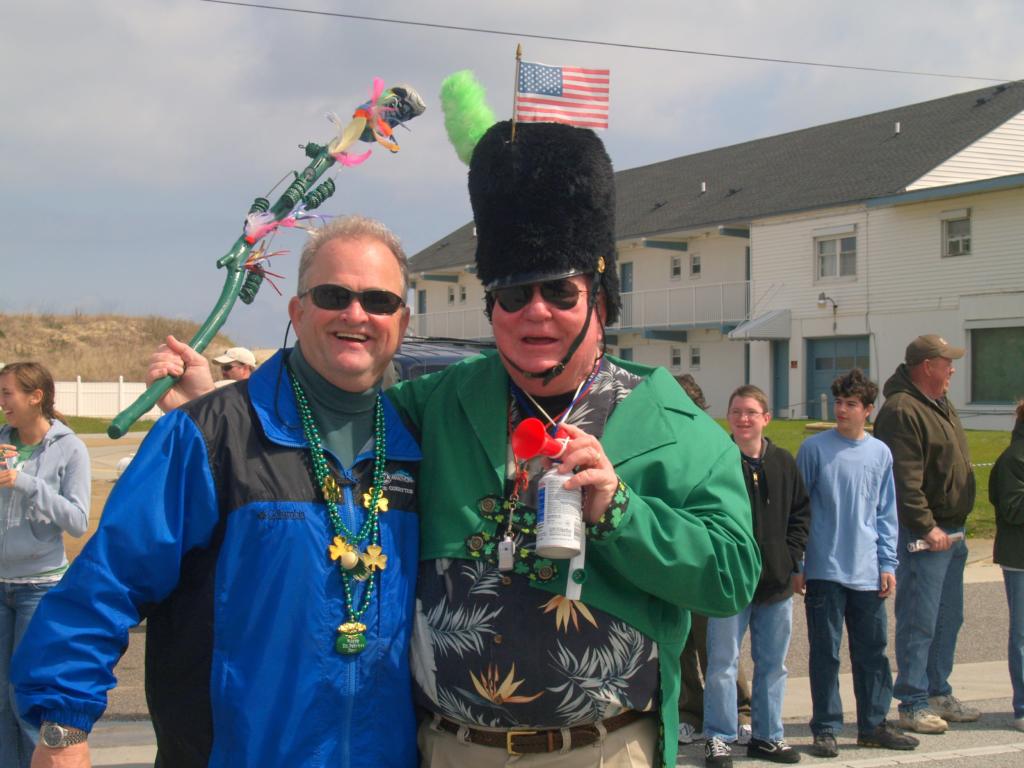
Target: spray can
x,y
559,517
920,545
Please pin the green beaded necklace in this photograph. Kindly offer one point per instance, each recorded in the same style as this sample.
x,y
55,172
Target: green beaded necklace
x,y
354,566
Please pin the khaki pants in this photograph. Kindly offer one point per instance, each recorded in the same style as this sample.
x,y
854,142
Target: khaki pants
x,y
629,747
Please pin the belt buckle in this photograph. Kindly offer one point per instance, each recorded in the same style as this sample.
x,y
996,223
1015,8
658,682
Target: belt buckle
x,y
509,735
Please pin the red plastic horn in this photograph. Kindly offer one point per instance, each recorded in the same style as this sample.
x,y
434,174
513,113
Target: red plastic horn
x,y
530,439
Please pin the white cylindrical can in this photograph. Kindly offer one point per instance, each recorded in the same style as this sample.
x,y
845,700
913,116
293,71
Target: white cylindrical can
x,y
559,517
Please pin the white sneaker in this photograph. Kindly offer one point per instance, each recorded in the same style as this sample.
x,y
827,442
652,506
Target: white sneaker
x,y
743,735
952,710
922,721
688,734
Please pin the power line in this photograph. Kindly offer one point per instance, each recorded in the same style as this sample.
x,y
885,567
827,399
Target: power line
x,y
659,49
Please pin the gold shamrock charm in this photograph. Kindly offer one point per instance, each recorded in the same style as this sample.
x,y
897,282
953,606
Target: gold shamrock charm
x,y
374,558
340,549
382,502
331,489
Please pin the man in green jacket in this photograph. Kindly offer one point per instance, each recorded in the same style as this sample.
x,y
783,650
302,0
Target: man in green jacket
x,y
934,496
513,652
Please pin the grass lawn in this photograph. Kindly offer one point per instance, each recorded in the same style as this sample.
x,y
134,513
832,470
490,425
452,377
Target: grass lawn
x,y
90,425
984,446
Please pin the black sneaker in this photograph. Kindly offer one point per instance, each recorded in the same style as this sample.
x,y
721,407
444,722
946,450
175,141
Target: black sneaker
x,y
825,745
776,751
717,752
887,736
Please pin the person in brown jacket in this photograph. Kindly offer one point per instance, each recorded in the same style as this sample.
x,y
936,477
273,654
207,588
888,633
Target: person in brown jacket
x,y
934,495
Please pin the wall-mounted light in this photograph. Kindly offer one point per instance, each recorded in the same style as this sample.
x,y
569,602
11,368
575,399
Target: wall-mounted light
x,y
823,301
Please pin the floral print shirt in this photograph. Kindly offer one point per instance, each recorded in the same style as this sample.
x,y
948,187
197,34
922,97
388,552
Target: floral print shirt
x,y
489,649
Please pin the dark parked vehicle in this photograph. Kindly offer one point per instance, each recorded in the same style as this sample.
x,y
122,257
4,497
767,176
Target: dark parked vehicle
x,y
420,355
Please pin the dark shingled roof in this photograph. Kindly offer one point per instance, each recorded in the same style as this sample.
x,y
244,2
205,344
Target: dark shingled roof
x,y
834,164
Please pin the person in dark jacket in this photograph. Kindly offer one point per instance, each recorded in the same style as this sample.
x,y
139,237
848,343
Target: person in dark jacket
x,y
934,496
1006,492
781,518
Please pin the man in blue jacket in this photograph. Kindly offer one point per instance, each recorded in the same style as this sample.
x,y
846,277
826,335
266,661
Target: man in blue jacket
x,y
268,534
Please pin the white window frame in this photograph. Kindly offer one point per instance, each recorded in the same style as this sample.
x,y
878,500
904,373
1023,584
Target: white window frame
x,y
675,267
695,266
963,242
694,358
675,358
462,294
838,239
451,295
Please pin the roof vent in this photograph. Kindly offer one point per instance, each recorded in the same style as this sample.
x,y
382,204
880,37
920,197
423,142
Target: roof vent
x,y
897,128
731,192
980,100
658,204
703,186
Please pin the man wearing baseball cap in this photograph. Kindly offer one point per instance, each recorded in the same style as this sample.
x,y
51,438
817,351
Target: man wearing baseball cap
x,y
236,364
934,496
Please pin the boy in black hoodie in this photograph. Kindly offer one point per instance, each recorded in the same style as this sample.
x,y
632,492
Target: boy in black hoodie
x,y
781,519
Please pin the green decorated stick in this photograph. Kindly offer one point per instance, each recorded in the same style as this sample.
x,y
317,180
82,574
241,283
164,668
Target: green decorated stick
x,y
372,121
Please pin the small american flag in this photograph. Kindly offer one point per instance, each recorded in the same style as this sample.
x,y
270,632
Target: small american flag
x,y
570,95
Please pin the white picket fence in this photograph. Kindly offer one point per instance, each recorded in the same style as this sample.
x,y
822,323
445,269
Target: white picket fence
x,y
104,399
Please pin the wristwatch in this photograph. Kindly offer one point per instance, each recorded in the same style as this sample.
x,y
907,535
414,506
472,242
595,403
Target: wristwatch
x,y
58,736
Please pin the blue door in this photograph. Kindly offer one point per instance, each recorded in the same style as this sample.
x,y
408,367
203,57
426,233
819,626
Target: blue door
x,y
780,379
828,358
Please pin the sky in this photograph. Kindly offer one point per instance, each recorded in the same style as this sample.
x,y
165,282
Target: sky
x,y
135,133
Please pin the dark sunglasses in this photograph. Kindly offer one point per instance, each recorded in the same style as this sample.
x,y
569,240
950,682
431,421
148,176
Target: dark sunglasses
x,y
226,368
561,294
338,297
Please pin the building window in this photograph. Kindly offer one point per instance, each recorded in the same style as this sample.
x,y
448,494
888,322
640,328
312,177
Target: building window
x,y
626,353
694,265
675,270
694,358
676,356
995,364
462,294
956,236
451,295
837,257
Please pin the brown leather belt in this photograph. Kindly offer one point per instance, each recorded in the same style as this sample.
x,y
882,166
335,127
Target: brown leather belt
x,y
520,742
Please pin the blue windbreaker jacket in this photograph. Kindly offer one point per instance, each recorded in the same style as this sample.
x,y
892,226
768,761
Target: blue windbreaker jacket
x,y
217,537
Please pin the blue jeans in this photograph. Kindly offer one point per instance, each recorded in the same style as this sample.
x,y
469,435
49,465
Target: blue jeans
x,y
929,613
1014,582
770,627
828,604
17,604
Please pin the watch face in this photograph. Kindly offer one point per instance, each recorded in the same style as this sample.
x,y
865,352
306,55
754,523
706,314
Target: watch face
x,y
51,735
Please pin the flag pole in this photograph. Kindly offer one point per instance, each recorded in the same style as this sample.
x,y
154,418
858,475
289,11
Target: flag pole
x,y
515,89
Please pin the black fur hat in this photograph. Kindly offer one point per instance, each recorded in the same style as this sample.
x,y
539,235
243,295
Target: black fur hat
x,y
544,207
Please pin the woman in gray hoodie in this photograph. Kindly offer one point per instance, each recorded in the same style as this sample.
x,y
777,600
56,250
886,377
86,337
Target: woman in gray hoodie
x,y
44,492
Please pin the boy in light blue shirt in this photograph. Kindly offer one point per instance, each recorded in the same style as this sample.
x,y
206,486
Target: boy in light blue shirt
x,y
850,569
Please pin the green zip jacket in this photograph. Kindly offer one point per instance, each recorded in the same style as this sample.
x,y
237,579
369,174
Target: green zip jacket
x,y
685,542
1006,492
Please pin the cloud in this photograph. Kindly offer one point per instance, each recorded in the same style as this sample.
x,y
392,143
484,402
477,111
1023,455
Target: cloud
x,y
136,134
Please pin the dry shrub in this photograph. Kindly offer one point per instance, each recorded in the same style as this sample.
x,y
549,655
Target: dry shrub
x,y
95,347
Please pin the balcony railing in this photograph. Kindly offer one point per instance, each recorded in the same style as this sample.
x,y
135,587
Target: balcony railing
x,y
702,305
457,324
691,306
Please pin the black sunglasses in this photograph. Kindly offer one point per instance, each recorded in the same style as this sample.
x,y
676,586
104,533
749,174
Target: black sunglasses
x,y
338,297
562,294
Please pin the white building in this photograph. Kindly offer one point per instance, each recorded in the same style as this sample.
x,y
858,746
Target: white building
x,y
788,260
